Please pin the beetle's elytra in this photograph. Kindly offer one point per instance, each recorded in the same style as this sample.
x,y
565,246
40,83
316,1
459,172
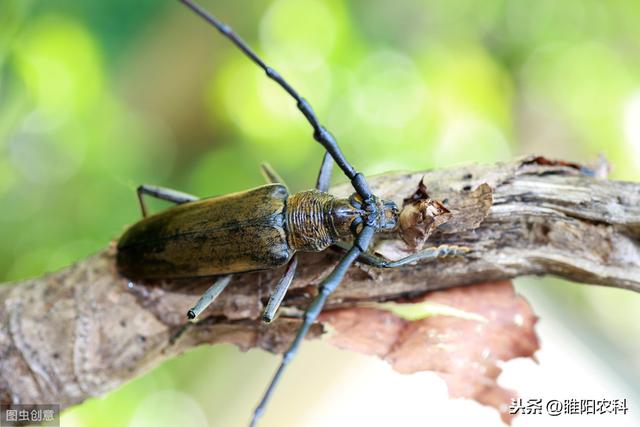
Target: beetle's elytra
x,y
262,228
229,234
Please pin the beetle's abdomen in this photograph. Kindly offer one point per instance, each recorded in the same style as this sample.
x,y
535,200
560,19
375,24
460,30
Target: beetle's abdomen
x,y
230,234
309,226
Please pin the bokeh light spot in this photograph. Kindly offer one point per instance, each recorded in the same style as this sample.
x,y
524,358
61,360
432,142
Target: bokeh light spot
x,y
169,408
60,65
471,140
389,90
464,80
300,33
41,155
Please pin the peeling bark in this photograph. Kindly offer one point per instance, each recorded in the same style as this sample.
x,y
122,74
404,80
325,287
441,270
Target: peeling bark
x,y
85,330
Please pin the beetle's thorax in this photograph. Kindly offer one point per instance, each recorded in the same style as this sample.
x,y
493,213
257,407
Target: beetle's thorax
x,y
308,220
316,220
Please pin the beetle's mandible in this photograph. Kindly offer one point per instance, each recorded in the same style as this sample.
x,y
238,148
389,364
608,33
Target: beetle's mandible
x,y
263,228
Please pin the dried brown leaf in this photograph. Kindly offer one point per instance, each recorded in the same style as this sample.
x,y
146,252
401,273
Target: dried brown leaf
x,y
420,216
418,220
464,351
420,194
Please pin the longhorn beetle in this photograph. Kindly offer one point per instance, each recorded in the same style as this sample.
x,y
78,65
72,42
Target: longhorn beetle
x,y
262,228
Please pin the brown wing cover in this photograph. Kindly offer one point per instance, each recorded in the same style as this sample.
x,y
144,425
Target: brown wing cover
x,y
230,234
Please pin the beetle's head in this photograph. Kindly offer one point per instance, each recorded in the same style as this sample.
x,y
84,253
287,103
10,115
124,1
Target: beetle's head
x,y
350,215
382,214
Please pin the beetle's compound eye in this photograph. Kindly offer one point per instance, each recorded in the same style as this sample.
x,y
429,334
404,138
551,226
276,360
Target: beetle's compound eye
x,y
356,226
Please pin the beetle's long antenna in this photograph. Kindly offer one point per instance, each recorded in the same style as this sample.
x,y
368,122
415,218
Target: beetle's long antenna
x,y
328,285
320,134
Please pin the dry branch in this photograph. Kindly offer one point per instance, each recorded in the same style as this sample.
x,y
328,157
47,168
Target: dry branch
x,y
85,330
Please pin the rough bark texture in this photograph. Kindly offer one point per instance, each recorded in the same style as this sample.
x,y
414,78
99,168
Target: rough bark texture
x,y
85,330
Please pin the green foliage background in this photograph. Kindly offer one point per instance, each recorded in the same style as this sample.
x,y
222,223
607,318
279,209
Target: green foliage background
x,y
97,97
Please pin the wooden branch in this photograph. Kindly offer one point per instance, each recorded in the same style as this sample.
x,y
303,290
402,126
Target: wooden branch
x,y
85,330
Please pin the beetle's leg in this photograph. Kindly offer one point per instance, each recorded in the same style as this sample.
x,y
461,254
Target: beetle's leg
x,y
320,134
270,174
324,176
163,193
328,285
280,290
208,297
431,253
